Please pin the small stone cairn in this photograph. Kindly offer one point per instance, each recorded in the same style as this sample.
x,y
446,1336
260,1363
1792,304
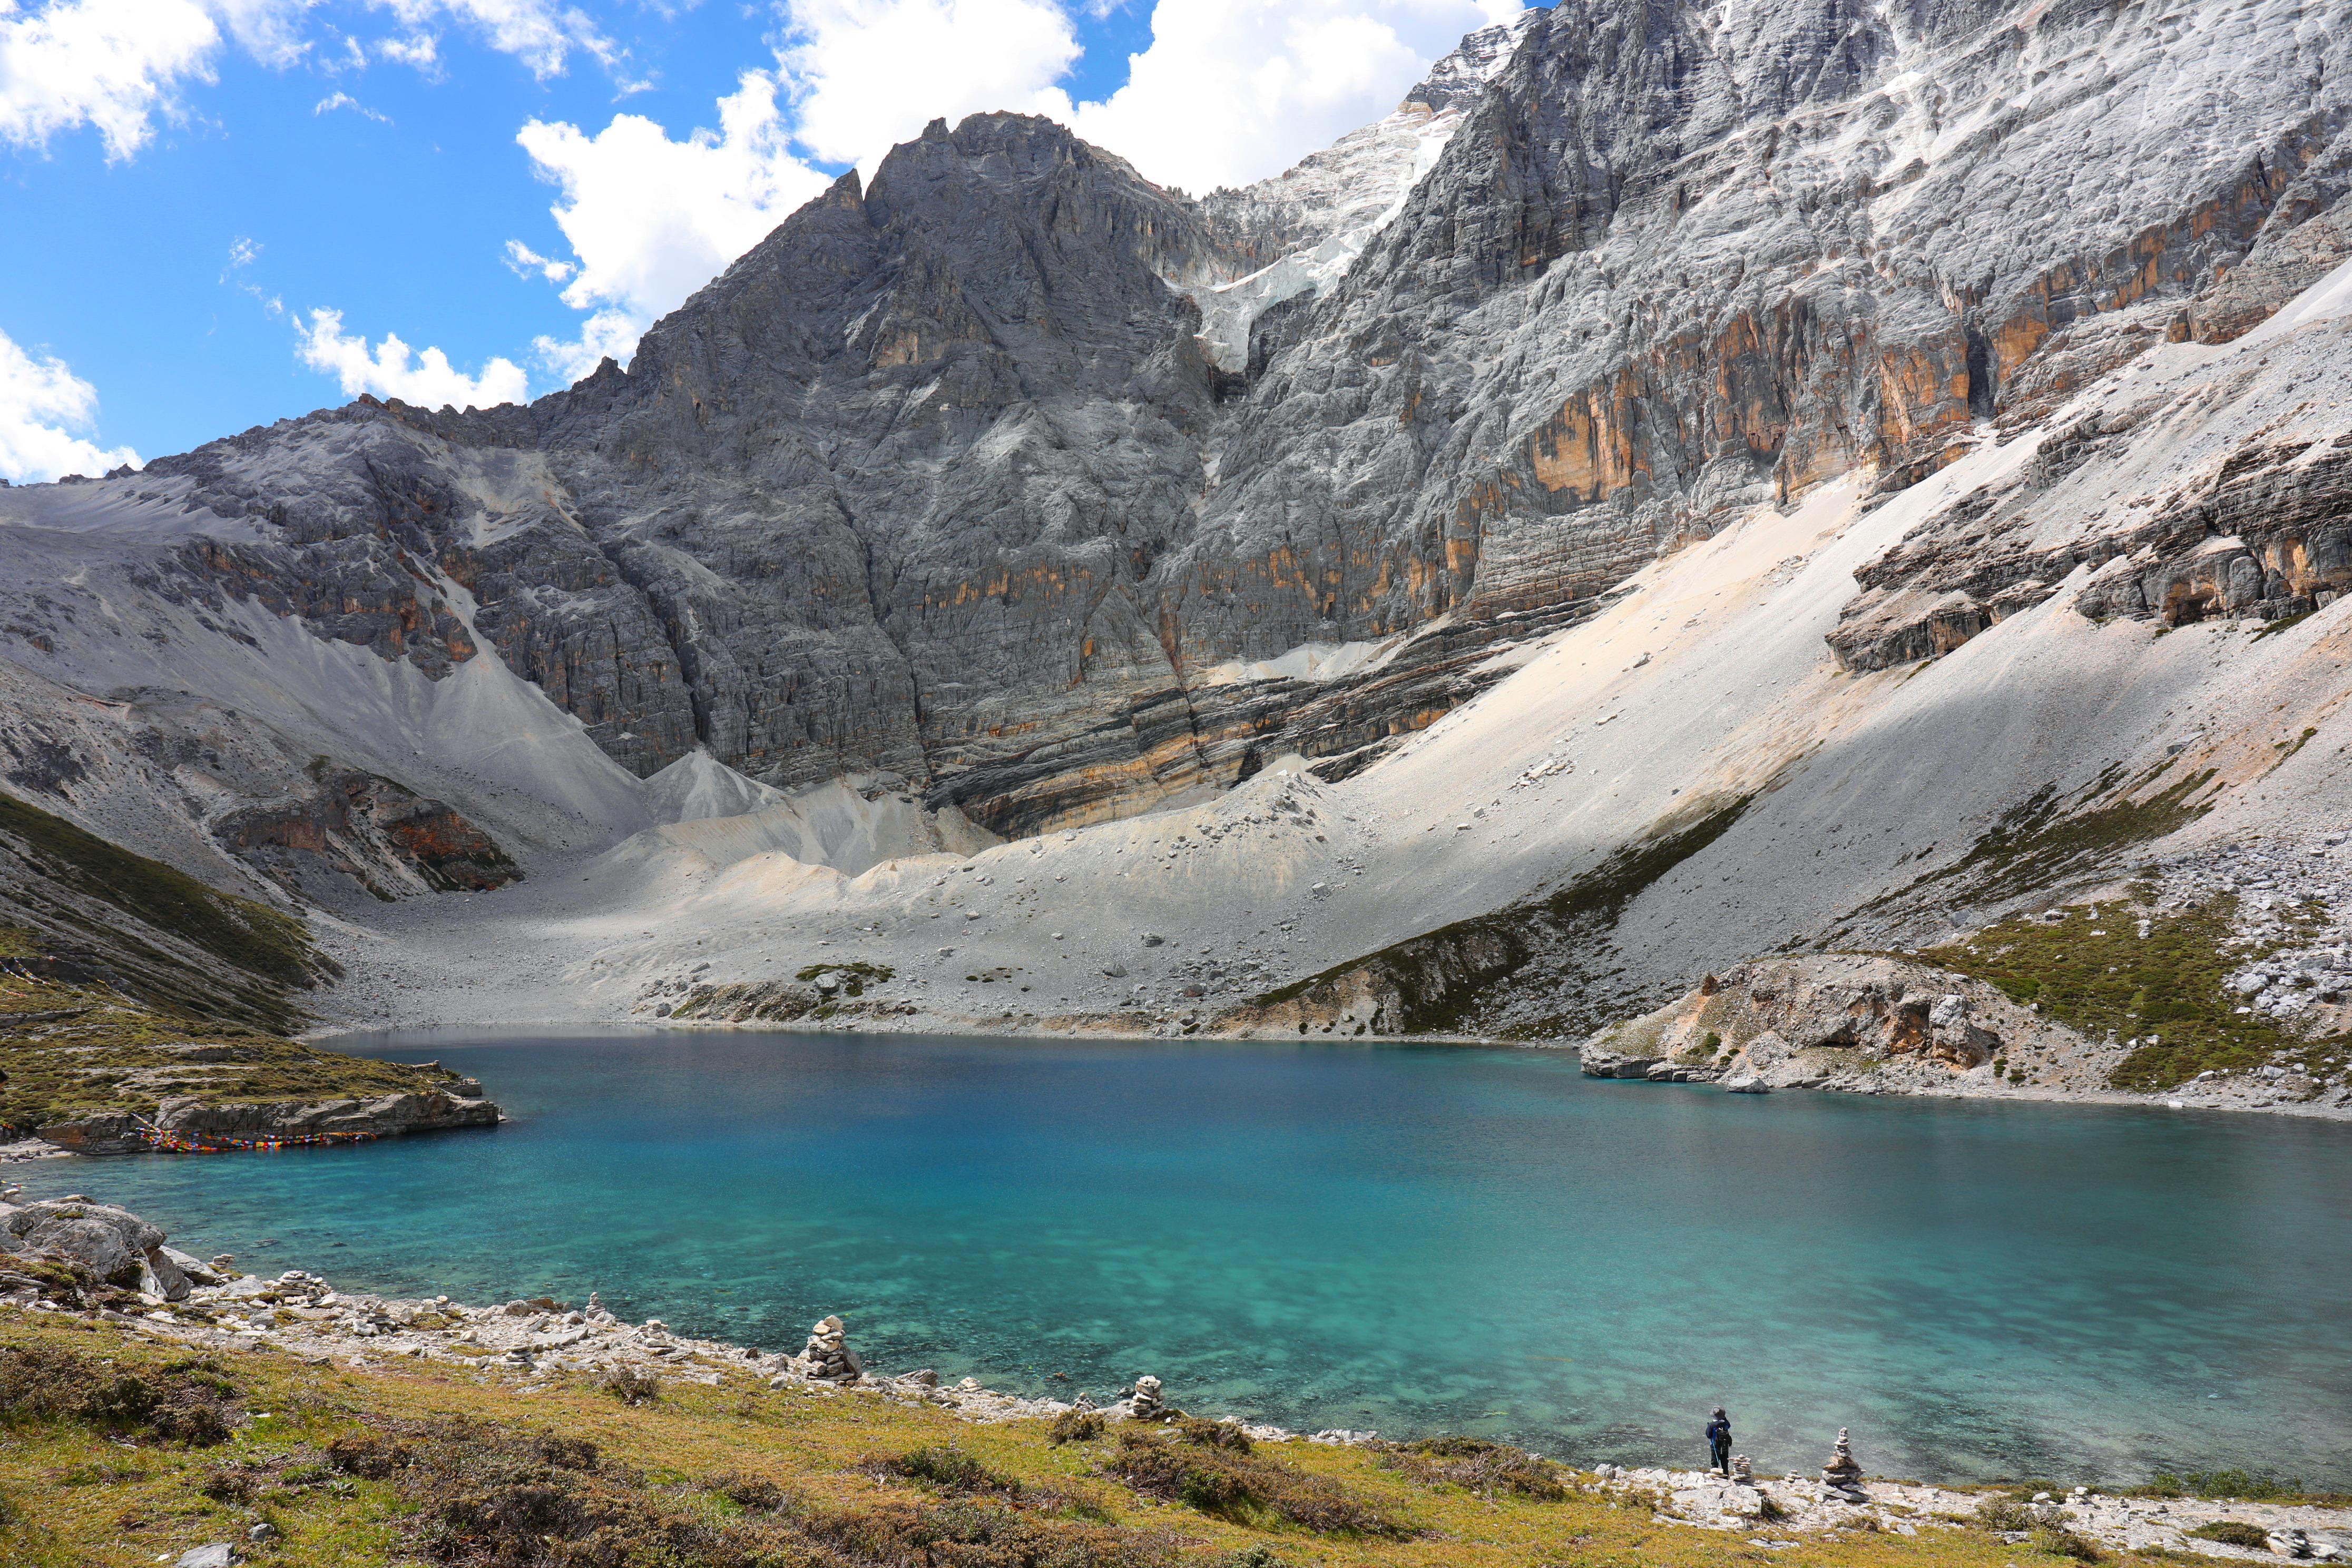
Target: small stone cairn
x,y
1743,1471
1841,1474
828,1358
1145,1403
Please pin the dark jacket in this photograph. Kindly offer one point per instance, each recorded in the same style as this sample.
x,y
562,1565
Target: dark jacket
x,y
1718,1433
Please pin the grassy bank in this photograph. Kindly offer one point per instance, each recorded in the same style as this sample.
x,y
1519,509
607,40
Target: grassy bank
x,y
69,1051
115,1451
2125,969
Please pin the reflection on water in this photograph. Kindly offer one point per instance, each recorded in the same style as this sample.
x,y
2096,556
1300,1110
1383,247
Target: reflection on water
x,y
1400,1238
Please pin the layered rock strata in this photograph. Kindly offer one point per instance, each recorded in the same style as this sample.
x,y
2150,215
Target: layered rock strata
x,y
940,480
185,1124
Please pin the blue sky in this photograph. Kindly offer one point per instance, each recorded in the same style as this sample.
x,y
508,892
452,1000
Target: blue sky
x,y
511,187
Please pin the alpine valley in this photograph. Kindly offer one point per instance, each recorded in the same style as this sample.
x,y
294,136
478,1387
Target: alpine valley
x,y
1806,540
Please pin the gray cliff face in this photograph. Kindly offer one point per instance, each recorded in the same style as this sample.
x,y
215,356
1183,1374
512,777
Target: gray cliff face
x,y
1675,265
936,481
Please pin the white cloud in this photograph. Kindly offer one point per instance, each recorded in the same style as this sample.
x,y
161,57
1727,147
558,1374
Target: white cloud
x,y
1234,90
118,66
865,74
111,64
539,34
429,382
523,261
419,51
335,101
46,414
650,220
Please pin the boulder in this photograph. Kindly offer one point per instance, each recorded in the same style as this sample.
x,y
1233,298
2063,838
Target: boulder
x,y
114,1244
216,1272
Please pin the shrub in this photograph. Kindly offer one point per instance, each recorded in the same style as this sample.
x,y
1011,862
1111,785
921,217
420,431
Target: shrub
x,y
567,1452
967,1535
2004,1515
2221,1483
2061,1541
228,1485
184,1401
365,1453
484,1497
755,1492
632,1386
1256,1554
1231,1484
1213,1434
1075,1426
949,1469
1477,1466
2234,1533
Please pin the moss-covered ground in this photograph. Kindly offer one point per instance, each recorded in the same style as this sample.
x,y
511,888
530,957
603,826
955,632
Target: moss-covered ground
x,y
2123,968
422,1464
70,1050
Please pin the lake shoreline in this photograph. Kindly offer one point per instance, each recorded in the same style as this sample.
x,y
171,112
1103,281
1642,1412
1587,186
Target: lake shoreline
x,y
528,1346
2235,1094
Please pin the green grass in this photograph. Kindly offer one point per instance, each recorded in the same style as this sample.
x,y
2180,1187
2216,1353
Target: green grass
x,y
1445,975
423,1463
2284,623
2233,1532
110,1053
254,937
2048,838
2167,984
2235,1484
139,917
854,977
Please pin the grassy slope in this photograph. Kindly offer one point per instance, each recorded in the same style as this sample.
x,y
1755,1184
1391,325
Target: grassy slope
x,y
108,1052
2097,973
78,1499
175,942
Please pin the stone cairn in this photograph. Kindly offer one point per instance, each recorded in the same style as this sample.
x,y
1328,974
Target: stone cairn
x,y
828,1357
1743,1472
1146,1405
1841,1474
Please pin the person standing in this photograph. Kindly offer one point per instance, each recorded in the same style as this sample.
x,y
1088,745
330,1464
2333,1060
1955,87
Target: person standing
x,y
1718,1440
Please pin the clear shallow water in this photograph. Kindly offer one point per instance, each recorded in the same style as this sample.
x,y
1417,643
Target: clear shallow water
x,y
1395,1238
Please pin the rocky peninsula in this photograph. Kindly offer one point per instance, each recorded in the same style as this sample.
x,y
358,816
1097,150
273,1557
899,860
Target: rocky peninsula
x,y
89,1069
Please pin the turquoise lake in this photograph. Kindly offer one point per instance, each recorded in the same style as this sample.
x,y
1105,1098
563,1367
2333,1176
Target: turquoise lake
x,y
1404,1238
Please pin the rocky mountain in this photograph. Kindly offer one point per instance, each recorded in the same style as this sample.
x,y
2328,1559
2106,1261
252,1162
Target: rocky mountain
x,y
1016,497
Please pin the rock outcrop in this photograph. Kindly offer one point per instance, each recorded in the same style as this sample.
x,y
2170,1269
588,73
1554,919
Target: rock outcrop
x,y
198,1124
114,1245
1780,1023
380,834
